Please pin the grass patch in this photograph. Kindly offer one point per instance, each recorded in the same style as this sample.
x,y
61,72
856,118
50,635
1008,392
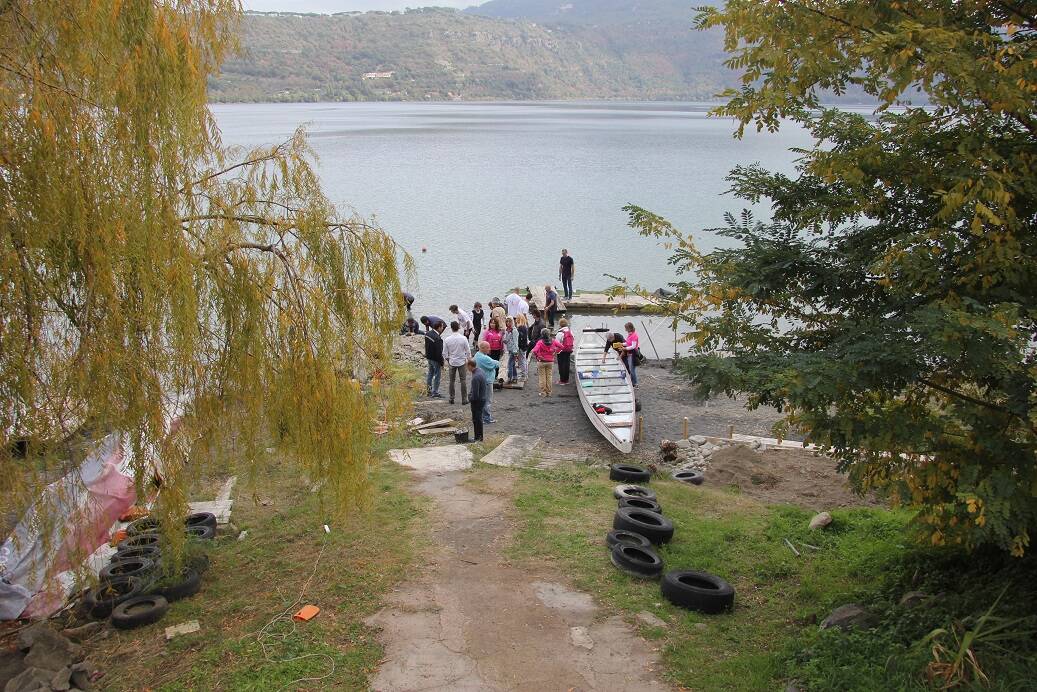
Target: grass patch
x,y
253,580
772,634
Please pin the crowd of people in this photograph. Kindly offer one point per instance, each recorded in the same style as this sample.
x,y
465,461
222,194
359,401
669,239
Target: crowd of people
x,y
487,348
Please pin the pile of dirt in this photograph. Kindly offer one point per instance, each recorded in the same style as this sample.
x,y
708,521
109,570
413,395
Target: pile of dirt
x,y
791,476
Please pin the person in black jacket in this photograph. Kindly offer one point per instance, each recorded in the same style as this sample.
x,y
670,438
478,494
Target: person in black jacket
x,y
434,355
477,396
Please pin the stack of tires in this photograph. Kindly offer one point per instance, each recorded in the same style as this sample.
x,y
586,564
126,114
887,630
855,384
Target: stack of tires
x,y
132,589
638,527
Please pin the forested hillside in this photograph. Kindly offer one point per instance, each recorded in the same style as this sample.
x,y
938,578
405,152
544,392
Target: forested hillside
x,y
639,50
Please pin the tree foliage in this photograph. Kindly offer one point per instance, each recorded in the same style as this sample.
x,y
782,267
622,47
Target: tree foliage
x,y
195,299
889,307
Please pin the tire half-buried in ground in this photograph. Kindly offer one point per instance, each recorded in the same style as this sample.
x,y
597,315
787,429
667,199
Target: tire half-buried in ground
x,y
652,525
701,591
139,611
641,503
201,519
629,473
140,567
100,600
205,533
614,537
627,490
693,477
637,561
188,584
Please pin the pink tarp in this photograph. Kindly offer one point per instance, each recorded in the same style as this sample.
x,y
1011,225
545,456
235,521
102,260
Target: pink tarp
x,y
88,502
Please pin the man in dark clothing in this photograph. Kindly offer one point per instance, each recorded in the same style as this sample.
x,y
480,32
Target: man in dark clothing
x,y
566,272
550,304
534,330
477,398
431,322
434,355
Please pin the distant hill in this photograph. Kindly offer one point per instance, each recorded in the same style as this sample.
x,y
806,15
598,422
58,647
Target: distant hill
x,y
506,49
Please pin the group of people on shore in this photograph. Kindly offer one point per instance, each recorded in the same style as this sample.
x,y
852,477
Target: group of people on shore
x,y
515,333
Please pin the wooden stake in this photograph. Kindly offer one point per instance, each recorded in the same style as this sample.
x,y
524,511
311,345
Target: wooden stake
x,y
640,428
685,427
730,432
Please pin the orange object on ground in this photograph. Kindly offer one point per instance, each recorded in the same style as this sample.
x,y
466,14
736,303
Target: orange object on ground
x,y
133,513
307,612
119,536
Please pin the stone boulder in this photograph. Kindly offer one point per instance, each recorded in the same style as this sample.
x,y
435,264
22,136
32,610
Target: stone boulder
x,y
820,520
849,617
914,598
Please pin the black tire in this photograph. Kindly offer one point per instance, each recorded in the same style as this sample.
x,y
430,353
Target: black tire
x,y
139,540
139,611
637,561
101,599
652,525
637,405
143,525
692,477
701,591
629,473
189,584
151,552
199,563
201,519
614,537
205,533
641,503
622,491
140,567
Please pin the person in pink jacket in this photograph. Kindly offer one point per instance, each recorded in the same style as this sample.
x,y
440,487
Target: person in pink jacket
x,y
544,351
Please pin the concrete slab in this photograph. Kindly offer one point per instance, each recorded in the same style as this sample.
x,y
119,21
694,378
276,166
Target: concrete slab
x,y
435,459
220,509
601,301
514,451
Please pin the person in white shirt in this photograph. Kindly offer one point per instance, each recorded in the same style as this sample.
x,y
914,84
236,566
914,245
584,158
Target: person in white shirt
x,y
456,353
514,302
463,319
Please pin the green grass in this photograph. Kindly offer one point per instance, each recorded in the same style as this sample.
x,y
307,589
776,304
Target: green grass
x,y
252,581
771,636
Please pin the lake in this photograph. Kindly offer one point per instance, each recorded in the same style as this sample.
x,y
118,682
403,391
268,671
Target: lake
x,y
493,191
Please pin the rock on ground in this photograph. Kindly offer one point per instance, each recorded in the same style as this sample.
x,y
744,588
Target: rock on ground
x,y
820,520
849,617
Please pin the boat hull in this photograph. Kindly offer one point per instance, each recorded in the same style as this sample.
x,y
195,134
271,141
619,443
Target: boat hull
x,y
606,382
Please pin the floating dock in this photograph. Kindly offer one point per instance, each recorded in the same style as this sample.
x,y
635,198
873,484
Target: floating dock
x,y
540,297
601,302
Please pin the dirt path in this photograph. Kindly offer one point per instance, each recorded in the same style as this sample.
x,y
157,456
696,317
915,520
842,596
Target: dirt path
x,y
472,621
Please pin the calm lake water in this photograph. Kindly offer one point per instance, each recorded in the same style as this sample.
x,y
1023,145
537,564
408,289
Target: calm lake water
x,y
493,191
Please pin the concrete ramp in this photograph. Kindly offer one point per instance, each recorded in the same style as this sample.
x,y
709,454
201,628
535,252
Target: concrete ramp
x,y
514,451
434,459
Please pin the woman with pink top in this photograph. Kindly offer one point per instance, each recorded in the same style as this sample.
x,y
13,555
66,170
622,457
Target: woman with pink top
x,y
630,352
495,338
544,352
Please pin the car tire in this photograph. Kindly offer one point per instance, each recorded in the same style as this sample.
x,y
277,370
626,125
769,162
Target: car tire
x,y
628,490
201,519
151,552
616,537
143,525
629,473
139,611
689,476
637,561
140,567
641,503
204,533
652,525
100,600
701,591
189,584
139,540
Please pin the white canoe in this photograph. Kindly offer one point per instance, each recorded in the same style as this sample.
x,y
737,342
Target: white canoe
x,y
606,383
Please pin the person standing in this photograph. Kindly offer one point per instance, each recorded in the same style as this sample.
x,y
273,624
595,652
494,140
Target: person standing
x,y
544,352
456,352
631,350
477,397
477,317
522,327
511,346
489,370
512,301
535,330
550,304
495,338
497,312
566,272
463,319
564,341
434,356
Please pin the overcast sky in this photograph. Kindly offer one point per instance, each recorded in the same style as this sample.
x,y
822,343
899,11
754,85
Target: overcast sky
x,y
330,6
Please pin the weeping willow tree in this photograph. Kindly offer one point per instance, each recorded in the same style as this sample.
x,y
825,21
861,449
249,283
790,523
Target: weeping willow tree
x,y
154,283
